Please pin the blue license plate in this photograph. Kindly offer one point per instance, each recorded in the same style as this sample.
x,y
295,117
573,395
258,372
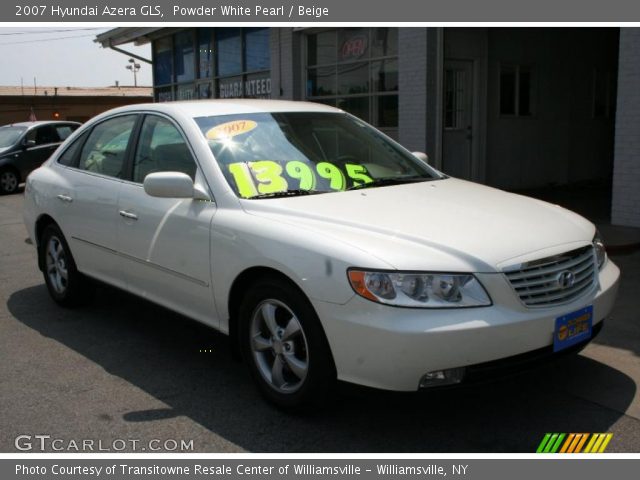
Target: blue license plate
x,y
573,328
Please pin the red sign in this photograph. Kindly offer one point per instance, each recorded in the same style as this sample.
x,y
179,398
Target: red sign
x,y
353,47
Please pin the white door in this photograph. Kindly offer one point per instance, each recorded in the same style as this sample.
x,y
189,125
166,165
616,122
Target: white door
x,y
90,198
164,242
457,136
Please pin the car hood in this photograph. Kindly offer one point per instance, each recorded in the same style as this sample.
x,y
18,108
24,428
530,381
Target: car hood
x,y
3,149
445,224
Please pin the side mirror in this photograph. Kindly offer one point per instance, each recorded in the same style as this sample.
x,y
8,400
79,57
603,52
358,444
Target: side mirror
x,y
169,185
421,156
28,143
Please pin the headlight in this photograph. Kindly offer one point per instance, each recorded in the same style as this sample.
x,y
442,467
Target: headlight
x,y
422,290
601,252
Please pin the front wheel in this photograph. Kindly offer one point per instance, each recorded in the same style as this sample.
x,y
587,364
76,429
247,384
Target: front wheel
x,y
284,345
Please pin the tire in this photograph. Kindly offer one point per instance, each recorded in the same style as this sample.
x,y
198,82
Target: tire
x,y
67,287
9,181
284,345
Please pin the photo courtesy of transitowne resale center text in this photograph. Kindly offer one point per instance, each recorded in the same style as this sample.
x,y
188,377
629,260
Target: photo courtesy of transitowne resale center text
x,y
328,240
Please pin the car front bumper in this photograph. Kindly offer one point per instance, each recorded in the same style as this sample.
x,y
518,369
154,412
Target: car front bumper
x,y
393,348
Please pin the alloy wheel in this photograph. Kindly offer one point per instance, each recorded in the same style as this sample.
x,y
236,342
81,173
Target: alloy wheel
x,y
8,181
56,264
279,346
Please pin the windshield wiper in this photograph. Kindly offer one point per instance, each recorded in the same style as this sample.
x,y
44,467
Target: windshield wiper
x,y
385,181
286,193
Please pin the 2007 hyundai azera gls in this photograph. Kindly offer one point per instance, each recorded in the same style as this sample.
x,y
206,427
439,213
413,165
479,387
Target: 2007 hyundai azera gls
x,y
322,247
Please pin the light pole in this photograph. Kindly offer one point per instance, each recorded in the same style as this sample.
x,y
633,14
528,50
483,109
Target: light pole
x,y
134,67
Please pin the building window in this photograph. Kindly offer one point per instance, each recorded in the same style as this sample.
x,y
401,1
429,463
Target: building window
x,y
455,98
204,90
164,94
516,90
229,51
184,57
162,61
205,53
355,69
243,57
185,91
206,63
256,49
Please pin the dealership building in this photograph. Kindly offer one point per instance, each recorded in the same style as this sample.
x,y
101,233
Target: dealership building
x,y
514,108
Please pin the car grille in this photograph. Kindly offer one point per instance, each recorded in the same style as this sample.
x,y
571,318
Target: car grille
x,y
540,283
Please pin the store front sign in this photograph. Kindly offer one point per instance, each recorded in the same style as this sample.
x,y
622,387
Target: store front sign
x,y
353,47
247,88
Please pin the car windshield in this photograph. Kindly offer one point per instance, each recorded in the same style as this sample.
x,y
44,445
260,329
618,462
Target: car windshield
x,y
10,135
292,153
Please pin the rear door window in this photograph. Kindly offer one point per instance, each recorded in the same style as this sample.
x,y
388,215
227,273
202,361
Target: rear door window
x,y
105,150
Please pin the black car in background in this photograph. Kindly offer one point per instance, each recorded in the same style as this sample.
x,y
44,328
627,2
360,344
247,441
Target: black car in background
x,y
25,146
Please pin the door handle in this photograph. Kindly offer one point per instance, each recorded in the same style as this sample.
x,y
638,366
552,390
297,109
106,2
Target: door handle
x,y
129,215
65,198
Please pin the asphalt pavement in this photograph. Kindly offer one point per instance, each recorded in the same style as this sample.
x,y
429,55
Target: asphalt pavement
x,y
124,373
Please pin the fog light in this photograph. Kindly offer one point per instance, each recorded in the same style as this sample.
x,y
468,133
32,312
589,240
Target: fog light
x,y
438,378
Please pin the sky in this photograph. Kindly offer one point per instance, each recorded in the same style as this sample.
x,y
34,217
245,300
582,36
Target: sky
x,y
66,57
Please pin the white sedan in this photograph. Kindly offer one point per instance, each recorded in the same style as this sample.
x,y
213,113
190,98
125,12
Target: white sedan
x,y
322,247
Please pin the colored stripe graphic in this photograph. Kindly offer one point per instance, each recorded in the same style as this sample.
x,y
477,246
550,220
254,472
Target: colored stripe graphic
x,y
567,443
596,447
581,442
605,443
592,441
550,443
556,446
574,443
543,443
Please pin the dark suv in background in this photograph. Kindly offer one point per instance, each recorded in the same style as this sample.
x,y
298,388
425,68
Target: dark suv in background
x,y
25,146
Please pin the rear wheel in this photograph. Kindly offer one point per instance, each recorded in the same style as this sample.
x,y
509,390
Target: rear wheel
x,y
66,285
9,181
284,345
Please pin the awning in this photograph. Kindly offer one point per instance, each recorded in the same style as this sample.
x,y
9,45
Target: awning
x,y
122,35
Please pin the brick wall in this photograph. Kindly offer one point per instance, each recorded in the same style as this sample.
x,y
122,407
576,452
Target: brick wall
x,y
77,108
625,205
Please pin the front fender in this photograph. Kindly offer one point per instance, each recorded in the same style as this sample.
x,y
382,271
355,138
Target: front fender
x,y
315,263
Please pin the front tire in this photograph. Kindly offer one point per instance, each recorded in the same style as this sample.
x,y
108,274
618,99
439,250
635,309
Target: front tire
x,y
284,345
67,286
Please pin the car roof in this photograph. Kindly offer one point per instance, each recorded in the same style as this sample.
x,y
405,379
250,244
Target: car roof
x,y
203,108
40,122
